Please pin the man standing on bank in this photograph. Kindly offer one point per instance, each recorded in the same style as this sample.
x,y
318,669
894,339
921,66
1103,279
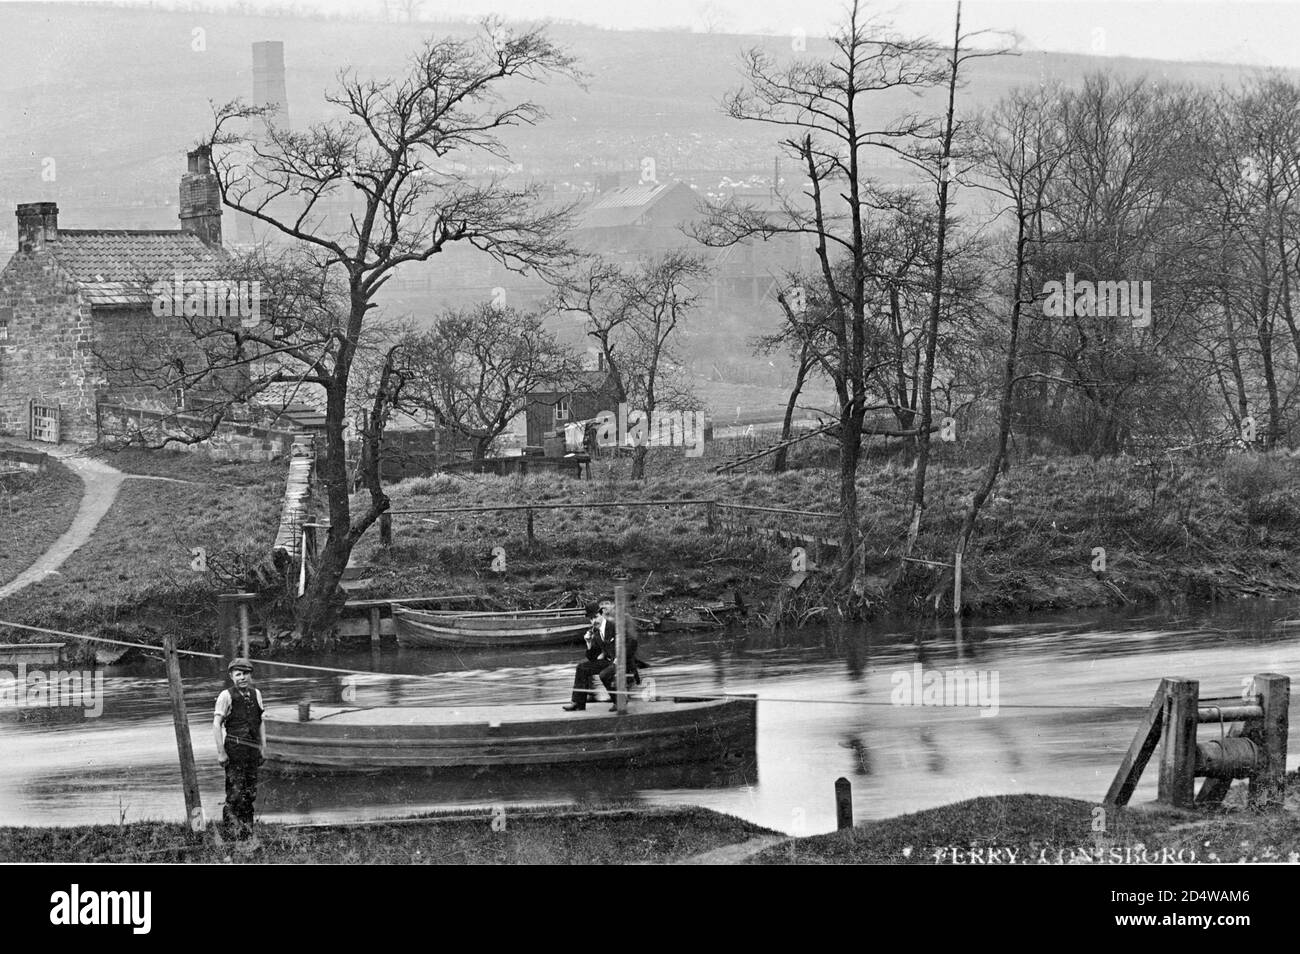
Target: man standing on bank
x,y
240,735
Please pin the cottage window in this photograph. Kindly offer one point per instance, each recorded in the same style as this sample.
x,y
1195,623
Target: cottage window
x,y
562,410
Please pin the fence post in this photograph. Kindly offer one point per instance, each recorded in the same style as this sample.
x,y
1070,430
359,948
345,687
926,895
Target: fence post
x,y
843,803
385,529
184,747
1268,787
1177,786
710,515
531,538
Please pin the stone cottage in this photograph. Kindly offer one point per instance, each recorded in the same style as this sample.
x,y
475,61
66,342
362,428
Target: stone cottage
x,y
71,297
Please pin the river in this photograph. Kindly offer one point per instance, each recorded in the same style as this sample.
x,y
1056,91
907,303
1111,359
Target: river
x,y
1060,698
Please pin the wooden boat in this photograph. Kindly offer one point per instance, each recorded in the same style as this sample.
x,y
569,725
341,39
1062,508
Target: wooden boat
x,y
422,630
359,739
31,654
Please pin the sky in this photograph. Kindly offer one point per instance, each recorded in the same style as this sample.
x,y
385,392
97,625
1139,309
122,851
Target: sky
x,y
1232,31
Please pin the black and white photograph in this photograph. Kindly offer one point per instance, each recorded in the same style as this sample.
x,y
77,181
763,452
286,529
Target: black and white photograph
x,y
706,432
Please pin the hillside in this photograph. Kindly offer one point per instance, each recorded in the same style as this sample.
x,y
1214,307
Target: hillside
x,y
115,95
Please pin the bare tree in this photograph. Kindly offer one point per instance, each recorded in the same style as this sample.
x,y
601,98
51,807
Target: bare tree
x,y
635,316
821,105
1018,155
389,159
473,370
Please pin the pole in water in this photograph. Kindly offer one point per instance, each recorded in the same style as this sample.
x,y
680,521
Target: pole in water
x,y
620,662
843,803
185,748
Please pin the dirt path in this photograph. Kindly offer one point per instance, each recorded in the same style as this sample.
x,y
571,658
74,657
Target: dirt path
x,y
101,483
734,854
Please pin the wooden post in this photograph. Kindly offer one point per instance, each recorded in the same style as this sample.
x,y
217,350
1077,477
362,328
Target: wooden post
x,y
243,627
302,567
226,627
710,516
385,529
620,660
1177,786
843,804
956,584
531,538
374,626
1268,786
184,747
1139,752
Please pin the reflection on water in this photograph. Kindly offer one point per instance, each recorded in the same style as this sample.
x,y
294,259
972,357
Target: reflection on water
x,y
1071,689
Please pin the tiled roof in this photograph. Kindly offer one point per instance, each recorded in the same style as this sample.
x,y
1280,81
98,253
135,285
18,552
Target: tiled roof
x,y
116,267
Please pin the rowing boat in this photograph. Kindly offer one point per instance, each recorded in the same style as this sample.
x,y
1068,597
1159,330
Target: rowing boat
x,y
360,739
423,630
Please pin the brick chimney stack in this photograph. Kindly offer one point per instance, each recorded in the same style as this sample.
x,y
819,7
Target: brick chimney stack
x,y
200,202
38,223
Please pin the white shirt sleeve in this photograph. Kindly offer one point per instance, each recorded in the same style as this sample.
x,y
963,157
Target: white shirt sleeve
x,y
222,711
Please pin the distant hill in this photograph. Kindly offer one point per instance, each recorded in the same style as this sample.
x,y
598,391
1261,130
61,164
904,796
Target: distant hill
x,y
115,95
98,105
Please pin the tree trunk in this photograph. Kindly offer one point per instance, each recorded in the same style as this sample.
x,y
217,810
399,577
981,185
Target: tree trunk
x,y
778,465
318,608
936,294
638,461
995,465
850,453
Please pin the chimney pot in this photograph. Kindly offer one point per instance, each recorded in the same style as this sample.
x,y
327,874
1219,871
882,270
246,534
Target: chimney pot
x,y
38,223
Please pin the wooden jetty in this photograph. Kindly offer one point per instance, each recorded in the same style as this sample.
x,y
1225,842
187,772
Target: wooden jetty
x,y
331,739
418,629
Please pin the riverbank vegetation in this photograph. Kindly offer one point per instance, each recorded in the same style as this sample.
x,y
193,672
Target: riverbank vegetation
x,y
1059,533
1170,529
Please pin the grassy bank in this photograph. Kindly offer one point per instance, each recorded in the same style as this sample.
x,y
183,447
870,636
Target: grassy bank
x,y
35,510
535,836
1038,829
1002,829
133,579
1169,531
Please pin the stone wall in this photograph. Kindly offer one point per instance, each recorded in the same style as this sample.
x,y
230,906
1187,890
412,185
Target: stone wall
x,y
12,458
232,440
46,336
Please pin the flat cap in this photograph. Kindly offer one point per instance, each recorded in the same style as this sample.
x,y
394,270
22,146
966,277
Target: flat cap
x,y
240,663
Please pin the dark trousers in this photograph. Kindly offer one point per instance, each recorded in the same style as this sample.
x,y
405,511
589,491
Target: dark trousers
x,y
582,676
607,675
241,782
